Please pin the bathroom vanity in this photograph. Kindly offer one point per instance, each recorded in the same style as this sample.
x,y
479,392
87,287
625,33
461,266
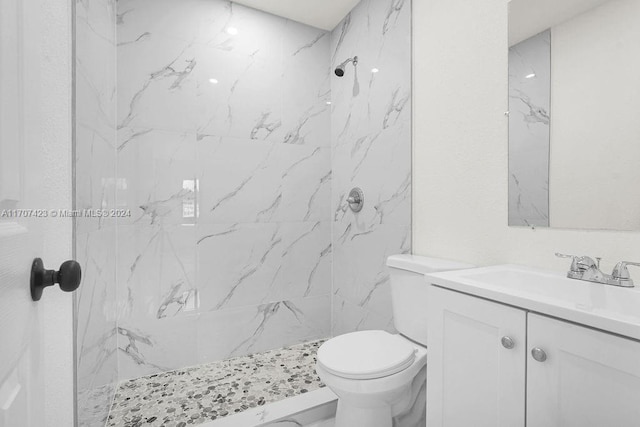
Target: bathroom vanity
x,y
514,346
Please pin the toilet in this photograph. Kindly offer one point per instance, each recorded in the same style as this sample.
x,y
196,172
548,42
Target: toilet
x,y
379,377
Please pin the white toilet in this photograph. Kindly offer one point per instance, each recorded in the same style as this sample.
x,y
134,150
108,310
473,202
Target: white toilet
x,y
381,377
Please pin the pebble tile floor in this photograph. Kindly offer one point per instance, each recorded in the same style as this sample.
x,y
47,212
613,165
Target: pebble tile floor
x,y
204,393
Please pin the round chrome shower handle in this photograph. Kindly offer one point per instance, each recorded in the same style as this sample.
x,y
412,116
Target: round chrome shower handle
x,y
355,200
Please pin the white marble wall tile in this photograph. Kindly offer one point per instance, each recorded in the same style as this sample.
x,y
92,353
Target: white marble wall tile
x,y
148,346
348,317
529,130
156,170
306,183
95,177
203,22
96,319
258,34
371,141
245,116
95,118
156,87
252,264
253,181
94,404
156,271
380,165
224,109
137,18
260,327
359,264
95,186
240,180
306,85
274,62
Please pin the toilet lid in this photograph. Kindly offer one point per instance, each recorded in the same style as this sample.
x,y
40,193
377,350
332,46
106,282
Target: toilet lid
x,y
366,355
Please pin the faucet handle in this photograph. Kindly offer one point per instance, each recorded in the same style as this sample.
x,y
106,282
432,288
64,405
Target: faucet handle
x,y
580,264
559,255
575,261
621,273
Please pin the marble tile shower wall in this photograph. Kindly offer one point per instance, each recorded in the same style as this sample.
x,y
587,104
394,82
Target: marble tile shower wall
x,y
530,130
371,138
95,243
224,157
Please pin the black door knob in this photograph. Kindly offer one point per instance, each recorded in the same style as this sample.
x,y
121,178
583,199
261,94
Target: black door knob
x,y
68,277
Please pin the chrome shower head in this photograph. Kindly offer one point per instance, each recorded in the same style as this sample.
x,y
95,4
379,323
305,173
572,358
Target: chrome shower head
x,y
340,68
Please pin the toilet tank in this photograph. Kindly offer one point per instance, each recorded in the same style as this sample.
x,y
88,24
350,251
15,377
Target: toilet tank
x,y
409,291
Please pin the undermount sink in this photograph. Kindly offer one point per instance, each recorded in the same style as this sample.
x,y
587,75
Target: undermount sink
x,y
605,307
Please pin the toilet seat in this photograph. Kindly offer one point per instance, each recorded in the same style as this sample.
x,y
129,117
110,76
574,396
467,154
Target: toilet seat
x,y
366,355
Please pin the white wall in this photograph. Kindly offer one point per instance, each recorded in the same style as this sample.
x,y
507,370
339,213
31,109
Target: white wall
x,y
57,306
460,147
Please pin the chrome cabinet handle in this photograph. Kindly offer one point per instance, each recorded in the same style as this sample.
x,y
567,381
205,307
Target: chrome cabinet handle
x,y
507,342
538,354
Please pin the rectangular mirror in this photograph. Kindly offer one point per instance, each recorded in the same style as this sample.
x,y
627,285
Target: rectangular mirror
x,y
574,98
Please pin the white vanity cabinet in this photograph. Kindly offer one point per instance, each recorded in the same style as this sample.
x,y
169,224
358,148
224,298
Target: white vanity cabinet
x,y
589,378
472,378
482,371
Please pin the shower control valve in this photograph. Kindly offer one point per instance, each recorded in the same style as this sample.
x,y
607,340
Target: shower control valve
x,y
356,199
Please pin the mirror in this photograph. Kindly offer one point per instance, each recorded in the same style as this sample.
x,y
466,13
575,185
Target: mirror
x,y
574,107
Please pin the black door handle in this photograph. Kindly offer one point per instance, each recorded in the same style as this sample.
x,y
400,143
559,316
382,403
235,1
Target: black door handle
x,y
68,277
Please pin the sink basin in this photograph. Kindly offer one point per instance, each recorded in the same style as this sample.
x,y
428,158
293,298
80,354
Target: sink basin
x,y
605,307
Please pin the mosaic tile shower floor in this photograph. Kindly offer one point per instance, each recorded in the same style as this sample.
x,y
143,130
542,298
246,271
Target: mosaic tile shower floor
x,y
204,393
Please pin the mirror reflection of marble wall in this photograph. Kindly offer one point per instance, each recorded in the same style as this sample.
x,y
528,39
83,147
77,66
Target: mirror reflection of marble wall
x,y
593,101
529,100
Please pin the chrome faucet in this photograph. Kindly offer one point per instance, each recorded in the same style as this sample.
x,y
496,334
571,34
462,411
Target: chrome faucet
x,y
585,268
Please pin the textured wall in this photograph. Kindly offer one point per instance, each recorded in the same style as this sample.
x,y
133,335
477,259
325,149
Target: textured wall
x,y
371,142
95,158
460,147
224,160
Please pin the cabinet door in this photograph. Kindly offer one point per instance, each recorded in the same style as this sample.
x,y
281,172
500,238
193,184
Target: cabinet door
x,y
589,378
472,379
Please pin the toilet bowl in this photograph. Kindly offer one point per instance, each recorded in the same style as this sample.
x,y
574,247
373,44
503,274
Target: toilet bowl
x,y
374,374
379,377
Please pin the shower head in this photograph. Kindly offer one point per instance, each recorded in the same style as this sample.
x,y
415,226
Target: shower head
x,y
340,68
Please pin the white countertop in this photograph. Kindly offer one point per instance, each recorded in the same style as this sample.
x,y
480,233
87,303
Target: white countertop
x,y
609,308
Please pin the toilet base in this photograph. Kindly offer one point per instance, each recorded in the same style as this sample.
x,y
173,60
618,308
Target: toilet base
x,y
407,409
350,416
